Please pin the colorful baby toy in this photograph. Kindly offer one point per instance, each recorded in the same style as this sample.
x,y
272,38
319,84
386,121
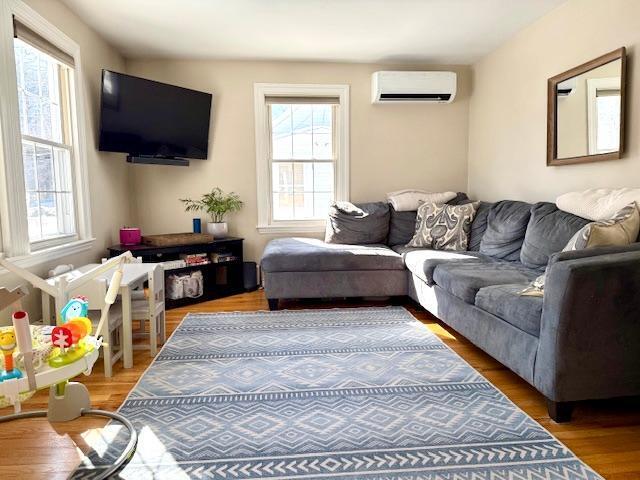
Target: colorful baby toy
x,y
52,361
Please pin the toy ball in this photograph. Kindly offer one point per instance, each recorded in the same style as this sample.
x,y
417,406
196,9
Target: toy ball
x,y
61,337
76,307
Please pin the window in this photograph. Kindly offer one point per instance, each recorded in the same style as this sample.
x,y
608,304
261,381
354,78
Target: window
x,y
301,135
44,197
603,95
43,99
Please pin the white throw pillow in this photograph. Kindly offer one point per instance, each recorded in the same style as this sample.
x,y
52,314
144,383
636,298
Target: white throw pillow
x,y
599,203
410,200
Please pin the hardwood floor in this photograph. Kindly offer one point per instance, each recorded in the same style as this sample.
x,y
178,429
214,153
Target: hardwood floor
x,y
606,435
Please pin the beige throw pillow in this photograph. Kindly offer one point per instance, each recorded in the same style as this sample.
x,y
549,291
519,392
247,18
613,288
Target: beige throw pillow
x,y
443,227
621,230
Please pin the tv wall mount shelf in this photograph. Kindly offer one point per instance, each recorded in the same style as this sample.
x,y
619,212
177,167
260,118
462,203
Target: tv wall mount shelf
x,y
156,160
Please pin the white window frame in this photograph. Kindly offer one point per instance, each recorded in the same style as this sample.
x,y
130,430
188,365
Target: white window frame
x,y
593,85
266,224
13,208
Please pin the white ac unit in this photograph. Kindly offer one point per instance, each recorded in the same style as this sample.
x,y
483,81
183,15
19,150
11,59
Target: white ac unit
x,y
392,86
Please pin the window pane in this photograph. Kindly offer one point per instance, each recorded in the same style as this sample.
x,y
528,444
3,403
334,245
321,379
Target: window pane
x,y
48,215
62,169
321,202
282,206
303,206
39,92
322,142
608,128
302,131
323,177
29,164
33,217
282,177
281,139
44,168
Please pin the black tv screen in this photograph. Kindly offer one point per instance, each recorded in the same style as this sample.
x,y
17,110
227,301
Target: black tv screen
x,y
143,117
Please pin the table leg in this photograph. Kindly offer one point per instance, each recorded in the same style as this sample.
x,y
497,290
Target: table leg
x,y
127,340
46,309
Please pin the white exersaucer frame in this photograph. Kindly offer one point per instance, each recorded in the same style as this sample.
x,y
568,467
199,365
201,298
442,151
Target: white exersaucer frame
x,y
72,400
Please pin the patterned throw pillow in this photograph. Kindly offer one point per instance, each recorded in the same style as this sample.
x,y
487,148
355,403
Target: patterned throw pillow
x,y
443,227
622,229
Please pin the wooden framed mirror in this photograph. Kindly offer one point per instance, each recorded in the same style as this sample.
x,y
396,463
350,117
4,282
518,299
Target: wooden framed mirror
x,y
585,111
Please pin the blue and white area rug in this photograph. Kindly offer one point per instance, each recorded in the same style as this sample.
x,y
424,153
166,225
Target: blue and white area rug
x,y
361,393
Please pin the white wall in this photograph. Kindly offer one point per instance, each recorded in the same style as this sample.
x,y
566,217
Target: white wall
x,y
508,109
392,146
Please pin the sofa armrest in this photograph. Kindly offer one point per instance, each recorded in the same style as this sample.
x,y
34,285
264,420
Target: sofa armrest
x,y
590,331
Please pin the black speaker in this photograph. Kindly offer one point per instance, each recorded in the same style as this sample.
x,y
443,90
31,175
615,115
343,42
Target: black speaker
x,y
250,276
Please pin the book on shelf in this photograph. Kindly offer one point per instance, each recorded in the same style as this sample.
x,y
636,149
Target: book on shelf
x,y
195,258
223,257
173,264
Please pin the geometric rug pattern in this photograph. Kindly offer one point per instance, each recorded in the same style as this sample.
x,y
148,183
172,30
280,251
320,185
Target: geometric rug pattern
x,y
358,393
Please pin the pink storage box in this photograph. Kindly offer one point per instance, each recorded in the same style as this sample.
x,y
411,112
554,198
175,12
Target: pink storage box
x,y
130,236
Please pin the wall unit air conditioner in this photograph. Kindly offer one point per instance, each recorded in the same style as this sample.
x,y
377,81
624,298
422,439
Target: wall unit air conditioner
x,y
424,87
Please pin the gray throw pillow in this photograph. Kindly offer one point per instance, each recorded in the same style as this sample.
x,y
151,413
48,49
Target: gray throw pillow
x,y
356,224
443,227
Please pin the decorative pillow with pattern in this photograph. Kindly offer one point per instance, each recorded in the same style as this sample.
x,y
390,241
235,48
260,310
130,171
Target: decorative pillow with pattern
x,y
443,227
621,230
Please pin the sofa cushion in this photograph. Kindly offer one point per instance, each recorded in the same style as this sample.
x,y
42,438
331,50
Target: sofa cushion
x,y
479,226
422,261
505,302
548,232
506,225
402,226
464,279
311,255
356,224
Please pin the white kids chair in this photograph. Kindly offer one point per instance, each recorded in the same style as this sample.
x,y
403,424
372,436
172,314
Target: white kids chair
x,y
95,292
151,308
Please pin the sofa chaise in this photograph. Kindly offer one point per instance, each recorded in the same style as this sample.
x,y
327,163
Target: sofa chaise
x,y
580,341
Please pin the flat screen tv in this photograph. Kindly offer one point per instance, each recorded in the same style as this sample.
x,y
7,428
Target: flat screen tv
x,y
151,119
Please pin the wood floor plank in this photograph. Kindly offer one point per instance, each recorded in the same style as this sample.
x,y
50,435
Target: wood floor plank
x,y
605,434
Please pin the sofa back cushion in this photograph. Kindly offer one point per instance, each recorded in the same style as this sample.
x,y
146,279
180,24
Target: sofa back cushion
x,y
506,226
548,232
402,225
479,226
355,224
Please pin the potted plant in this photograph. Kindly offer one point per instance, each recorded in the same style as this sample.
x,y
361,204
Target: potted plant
x,y
217,204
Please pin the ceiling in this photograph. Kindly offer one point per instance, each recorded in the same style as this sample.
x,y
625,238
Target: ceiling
x,y
376,31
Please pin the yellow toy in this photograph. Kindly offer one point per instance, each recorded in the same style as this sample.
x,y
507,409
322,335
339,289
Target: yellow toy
x,y
7,346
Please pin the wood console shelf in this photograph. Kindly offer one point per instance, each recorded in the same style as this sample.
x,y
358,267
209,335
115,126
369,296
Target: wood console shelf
x,y
219,279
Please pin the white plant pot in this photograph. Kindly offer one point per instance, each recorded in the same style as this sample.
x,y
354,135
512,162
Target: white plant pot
x,y
218,230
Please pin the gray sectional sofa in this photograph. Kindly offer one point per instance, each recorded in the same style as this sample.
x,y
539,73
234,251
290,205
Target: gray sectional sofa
x,y
580,341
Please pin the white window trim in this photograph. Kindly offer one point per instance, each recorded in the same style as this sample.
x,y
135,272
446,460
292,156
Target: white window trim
x,y
14,226
593,85
262,134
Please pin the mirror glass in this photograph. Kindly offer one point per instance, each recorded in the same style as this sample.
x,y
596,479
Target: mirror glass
x,y
588,112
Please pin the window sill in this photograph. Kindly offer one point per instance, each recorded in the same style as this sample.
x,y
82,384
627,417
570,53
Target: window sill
x,y
294,227
49,254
